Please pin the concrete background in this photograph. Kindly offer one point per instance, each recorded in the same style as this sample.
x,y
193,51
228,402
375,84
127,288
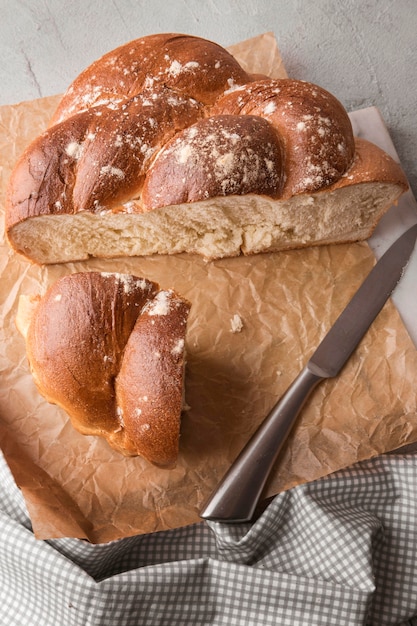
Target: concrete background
x,y
365,52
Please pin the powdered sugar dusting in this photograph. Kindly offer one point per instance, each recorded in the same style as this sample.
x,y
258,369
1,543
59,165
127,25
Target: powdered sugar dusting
x,y
129,282
178,347
269,108
74,150
109,170
176,68
161,304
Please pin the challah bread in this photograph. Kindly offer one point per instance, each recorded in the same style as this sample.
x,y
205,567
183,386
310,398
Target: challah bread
x,y
109,349
166,145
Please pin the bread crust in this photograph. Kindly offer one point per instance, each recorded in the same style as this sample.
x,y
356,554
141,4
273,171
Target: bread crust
x,y
217,156
192,66
88,340
315,129
153,362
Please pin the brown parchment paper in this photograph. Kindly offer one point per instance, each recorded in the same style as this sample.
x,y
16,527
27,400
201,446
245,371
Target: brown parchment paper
x,y
76,486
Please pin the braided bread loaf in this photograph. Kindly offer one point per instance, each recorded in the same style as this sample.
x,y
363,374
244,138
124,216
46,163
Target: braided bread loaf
x,y
167,145
109,349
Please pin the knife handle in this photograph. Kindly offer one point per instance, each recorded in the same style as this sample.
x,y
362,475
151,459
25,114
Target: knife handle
x,y
237,495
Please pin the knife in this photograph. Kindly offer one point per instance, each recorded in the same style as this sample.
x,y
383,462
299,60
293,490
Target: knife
x,y
237,495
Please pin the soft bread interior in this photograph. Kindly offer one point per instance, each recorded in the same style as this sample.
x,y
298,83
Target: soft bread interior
x,y
215,228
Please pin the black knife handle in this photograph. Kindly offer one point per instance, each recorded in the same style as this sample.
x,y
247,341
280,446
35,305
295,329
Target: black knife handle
x,y
237,495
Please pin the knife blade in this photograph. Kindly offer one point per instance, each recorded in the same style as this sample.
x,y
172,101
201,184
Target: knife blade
x,y
236,497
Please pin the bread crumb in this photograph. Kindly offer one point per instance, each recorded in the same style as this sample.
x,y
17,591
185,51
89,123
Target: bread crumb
x,y
236,324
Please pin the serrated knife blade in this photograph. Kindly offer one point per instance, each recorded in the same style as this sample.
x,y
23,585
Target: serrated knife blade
x,y
236,497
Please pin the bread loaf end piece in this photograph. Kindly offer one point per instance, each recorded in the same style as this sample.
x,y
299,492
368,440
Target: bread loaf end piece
x,y
77,338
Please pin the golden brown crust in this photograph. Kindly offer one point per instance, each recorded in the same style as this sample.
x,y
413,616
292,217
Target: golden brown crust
x,y
76,342
315,129
218,156
154,362
194,67
371,164
97,159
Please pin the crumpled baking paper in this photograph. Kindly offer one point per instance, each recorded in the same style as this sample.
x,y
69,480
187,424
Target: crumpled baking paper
x,y
254,323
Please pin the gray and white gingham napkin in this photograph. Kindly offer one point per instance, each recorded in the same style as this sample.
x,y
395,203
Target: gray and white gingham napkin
x,y
339,551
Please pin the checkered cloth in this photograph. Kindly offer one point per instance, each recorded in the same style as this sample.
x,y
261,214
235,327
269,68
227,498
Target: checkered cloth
x,y
340,551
